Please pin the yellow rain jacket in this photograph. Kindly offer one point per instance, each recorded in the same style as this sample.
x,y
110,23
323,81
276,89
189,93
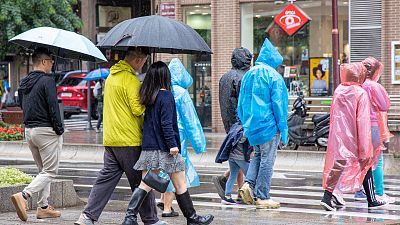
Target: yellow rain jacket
x,y
123,113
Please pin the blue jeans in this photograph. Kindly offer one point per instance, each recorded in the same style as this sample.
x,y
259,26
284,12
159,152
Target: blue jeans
x,y
234,166
259,175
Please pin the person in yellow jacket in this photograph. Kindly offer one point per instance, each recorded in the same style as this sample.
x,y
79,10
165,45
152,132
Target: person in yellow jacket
x,y
122,138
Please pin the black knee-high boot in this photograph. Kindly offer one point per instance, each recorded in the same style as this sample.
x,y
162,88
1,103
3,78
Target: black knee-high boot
x,y
186,205
138,196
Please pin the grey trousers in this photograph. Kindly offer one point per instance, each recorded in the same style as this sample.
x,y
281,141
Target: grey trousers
x,y
45,146
118,160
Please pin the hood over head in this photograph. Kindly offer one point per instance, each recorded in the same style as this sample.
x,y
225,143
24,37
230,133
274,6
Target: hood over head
x,y
269,55
352,72
29,81
179,75
374,68
120,66
241,59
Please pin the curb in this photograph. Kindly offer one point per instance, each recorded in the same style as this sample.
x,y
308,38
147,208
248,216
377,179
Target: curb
x,y
295,160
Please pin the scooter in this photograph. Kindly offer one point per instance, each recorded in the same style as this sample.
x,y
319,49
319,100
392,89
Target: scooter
x,y
298,136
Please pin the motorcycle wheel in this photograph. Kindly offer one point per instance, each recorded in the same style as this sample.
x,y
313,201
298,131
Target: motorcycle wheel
x,y
322,143
290,146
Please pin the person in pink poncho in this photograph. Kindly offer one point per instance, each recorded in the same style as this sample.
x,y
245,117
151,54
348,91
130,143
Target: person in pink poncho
x,y
380,104
349,155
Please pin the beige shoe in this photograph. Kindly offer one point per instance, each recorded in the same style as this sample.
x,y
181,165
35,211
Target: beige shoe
x,y
50,212
21,206
267,204
247,194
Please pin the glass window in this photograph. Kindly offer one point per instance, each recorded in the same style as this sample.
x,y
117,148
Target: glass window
x,y
199,66
310,47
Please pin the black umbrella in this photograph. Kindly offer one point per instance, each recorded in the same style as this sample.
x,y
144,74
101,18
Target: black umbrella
x,y
159,34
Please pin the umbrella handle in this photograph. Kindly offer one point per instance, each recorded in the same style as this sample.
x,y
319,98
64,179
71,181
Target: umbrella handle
x,y
122,38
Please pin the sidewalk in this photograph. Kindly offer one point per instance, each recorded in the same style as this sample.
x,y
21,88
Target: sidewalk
x,y
115,211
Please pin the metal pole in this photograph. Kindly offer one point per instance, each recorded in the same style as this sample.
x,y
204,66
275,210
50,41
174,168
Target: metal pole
x,y
335,44
89,106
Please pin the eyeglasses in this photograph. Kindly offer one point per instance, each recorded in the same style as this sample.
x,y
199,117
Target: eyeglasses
x,y
51,60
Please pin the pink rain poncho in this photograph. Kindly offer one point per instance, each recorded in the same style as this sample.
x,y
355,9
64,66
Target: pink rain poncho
x,y
349,153
380,104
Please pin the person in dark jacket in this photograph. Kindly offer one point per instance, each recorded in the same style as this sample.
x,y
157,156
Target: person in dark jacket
x,y
161,145
43,130
229,87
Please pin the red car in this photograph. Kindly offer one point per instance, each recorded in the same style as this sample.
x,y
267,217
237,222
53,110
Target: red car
x,y
72,90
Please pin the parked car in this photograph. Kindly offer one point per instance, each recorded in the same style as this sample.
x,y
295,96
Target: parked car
x,y
72,90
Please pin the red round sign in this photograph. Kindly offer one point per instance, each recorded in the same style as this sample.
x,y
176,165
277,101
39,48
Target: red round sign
x,y
291,19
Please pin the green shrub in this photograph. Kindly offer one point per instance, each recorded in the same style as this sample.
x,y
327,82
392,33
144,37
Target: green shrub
x,y
12,176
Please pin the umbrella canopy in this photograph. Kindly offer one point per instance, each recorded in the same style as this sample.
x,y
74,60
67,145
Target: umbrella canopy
x,y
65,44
160,34
98,74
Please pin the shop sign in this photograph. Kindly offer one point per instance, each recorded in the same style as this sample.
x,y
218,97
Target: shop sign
x,y
167,10
291,19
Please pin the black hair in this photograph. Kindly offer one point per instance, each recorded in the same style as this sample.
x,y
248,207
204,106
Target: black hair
x,y
315,69
38,53
157,77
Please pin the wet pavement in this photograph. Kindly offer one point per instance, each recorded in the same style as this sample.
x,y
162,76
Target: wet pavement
x,y
114,214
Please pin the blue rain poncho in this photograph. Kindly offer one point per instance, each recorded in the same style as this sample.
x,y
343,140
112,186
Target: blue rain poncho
x,y
189,125
263,99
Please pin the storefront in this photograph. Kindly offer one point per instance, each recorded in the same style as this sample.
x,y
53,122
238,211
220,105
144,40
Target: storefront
x,y
307,66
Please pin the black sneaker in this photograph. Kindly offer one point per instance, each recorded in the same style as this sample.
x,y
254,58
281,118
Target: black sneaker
x,y
326,202
376,205
227,200
220,184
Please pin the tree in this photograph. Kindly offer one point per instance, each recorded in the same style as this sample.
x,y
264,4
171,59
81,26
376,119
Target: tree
x,y
17,16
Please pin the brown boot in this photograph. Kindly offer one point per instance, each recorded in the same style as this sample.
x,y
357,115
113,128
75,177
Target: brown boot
x,y
21,205
49,212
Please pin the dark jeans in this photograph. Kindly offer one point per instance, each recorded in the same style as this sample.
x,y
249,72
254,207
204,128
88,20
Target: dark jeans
x,y
118,160
100,113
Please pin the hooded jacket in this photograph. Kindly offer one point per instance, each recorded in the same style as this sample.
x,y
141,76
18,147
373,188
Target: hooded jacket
x,y
349,152
190,129
37,94
263,99
229,86
123,113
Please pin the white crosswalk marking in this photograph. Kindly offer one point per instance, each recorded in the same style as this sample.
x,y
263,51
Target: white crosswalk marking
x,y
78,122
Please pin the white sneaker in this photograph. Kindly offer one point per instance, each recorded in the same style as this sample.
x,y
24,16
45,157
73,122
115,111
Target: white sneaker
x,y
338,200
386,198
267,204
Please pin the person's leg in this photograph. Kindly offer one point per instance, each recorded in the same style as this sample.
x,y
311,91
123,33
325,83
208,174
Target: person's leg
x,y
185,202
267,161
127,158
332,180
220,183
48,144
138,196
368,184
234,170
100,112
105,183
378,177
168,198
240,179
247,191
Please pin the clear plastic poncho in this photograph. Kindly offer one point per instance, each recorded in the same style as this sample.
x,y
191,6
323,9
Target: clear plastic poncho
x,y
189,125
349,152
263,99
380,103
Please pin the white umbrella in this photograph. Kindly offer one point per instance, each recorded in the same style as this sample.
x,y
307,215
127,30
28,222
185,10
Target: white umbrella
x,y
62,43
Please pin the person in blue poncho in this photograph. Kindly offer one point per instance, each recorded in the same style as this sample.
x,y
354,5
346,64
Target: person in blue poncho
x,y
263,110
190,129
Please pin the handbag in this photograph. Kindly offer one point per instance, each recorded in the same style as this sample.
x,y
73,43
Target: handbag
x,y
156,182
